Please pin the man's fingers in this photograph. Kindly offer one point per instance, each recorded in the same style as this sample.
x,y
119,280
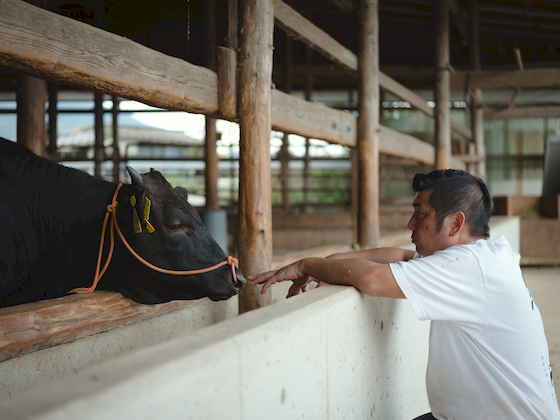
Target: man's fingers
x,y
260,278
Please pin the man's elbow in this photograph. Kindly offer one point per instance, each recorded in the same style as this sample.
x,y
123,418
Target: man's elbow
x,y
380,283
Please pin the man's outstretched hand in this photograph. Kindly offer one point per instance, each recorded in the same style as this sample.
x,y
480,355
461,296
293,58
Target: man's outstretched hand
x,y
293,272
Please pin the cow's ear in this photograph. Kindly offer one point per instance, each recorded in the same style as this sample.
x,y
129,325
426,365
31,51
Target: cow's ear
x,y
183,191
137,181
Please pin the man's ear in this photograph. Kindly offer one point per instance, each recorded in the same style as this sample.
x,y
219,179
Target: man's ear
x,y
457,223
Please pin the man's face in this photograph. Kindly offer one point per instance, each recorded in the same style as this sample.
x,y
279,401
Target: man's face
x,y
424,227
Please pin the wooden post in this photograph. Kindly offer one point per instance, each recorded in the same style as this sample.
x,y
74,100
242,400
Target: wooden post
x,y
227,82
442,114
99,150
307,159
211,159
368,124
52,149
31,126
284,154
477,112
116,153
255,212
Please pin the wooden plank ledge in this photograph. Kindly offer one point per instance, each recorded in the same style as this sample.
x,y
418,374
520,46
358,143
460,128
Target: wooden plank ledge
x,y
39,325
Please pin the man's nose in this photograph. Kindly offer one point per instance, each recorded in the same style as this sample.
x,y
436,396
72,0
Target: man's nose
x,y
411,224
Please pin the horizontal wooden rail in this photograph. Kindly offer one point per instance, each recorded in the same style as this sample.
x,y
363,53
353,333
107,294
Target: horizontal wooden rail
x,y
510,79
61,49
40,325
523,112
302,29
54,47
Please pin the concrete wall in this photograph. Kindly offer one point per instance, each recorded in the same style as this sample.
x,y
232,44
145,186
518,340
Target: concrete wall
x,y
45,366
328,354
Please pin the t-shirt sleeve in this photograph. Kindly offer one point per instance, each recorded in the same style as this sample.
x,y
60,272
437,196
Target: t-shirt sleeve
x,y
445,286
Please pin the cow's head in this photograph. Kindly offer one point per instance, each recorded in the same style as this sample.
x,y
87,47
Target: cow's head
x,y
170,235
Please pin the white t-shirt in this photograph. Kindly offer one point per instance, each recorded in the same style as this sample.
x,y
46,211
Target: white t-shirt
x,y
488,351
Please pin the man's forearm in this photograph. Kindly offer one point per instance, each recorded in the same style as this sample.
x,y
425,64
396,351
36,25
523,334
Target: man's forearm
x,y
367,276
378,255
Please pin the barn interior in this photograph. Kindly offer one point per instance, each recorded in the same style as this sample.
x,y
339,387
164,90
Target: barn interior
x,y
488,37
501,81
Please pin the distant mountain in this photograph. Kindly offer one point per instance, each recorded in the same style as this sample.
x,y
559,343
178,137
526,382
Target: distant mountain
x,y
75,121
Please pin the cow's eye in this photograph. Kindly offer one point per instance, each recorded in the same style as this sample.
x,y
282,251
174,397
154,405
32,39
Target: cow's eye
x,y
174,227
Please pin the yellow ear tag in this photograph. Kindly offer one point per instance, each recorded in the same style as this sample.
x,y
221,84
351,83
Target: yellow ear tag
x,y
132,201
147,207
136,222
149,227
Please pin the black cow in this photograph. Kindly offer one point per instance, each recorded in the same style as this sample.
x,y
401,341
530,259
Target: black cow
x,y
51,219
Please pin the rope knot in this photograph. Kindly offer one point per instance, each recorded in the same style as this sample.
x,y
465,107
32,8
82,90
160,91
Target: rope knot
x,y
112,207
232,261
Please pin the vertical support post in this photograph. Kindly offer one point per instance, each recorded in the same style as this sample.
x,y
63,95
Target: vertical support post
x,y
211,155
52,149
307,159
477,113
284,154
442,113
227,82
99,151
368,125
255,212
211,159
116,152
31,126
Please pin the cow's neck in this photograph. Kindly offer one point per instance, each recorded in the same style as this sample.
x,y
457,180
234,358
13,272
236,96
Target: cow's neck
x,y
70,212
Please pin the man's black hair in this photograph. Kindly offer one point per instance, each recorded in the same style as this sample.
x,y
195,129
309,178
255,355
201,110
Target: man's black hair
x,y
456,190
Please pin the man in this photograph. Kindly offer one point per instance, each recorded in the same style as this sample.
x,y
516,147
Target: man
x,y
488,351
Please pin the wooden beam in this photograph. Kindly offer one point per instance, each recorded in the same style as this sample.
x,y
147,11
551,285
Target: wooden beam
x,y
31,128
255,209
57,48
40,325
99,137
476,106
227,82
459,19
305,31
368,125
442,93
417,102
116,158
510,79
296,116
524,112
300,28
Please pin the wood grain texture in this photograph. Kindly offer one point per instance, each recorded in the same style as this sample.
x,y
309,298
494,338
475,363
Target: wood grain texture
x,y
57,48
305,31
301,29
511,79
255,207
368,125
39,325
31,127
442,92
296,116
227,82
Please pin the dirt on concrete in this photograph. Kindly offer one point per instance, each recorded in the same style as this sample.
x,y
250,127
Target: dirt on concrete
x,y
544,284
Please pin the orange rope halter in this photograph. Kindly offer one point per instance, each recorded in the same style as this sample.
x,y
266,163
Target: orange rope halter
x,y
112,209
